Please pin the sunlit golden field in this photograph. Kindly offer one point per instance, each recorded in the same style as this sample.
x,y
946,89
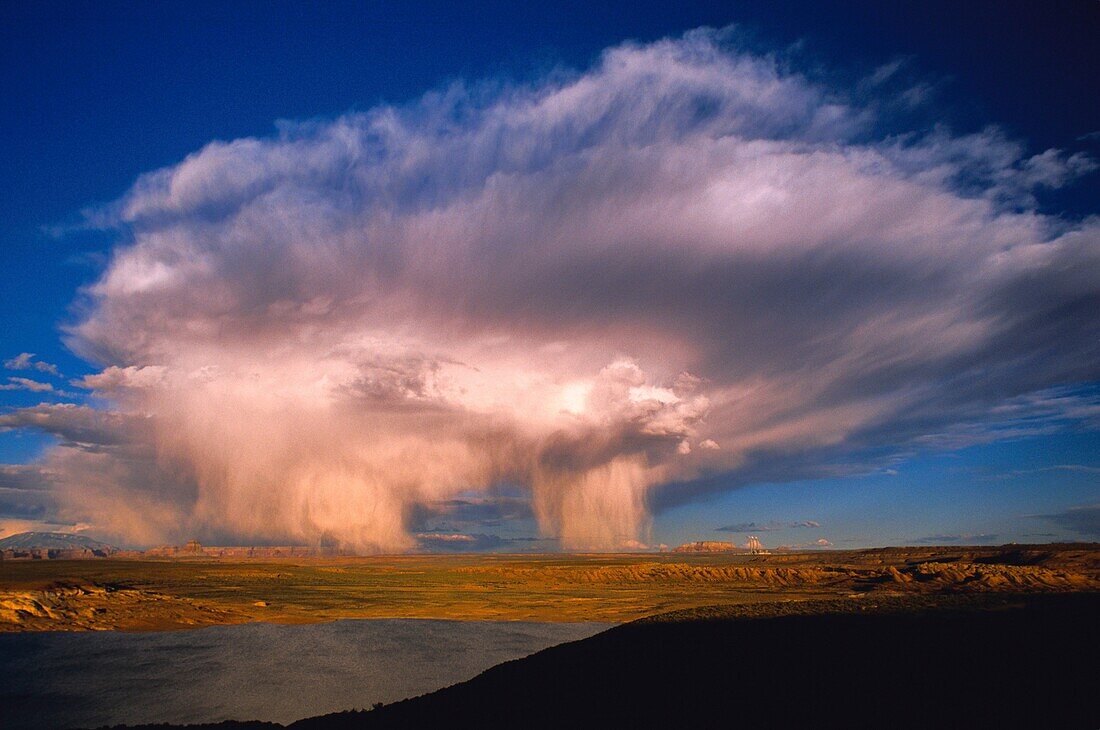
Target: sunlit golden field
x,y
168,594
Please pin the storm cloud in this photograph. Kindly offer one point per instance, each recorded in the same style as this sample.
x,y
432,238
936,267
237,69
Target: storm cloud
x,y
612,289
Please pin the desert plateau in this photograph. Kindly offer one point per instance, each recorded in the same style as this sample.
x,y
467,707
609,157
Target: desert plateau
x,y
157,594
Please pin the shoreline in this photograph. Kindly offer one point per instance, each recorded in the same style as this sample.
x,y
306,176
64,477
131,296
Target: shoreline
x,y
908,661
258,671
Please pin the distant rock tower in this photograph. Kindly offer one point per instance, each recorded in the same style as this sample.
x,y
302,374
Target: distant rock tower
x,y
193,546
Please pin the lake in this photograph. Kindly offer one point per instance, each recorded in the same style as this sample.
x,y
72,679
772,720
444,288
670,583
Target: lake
x,y
255,671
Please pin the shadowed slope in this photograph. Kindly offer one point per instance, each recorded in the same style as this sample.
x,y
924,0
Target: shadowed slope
x,y
987,662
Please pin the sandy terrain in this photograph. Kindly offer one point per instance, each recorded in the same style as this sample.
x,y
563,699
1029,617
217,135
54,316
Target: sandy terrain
x,y
136,595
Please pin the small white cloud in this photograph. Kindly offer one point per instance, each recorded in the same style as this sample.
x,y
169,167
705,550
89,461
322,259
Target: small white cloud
x,y
21,361
26,361
35,386
114,378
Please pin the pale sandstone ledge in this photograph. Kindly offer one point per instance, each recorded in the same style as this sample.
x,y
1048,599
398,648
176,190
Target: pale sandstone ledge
x,y
99,608
710,546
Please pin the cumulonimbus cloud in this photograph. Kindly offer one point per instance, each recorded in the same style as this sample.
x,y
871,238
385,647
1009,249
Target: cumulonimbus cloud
x,y
605,287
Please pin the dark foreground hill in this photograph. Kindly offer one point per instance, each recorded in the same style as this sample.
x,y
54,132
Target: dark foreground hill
x,y
962,661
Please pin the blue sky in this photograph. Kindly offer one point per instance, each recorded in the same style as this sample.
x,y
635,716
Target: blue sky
x,y
98,95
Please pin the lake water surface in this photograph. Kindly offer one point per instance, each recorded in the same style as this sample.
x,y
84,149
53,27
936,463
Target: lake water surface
x,y
250,672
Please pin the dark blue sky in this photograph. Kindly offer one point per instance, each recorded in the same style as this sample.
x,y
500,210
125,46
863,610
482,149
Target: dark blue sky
x,y
94,94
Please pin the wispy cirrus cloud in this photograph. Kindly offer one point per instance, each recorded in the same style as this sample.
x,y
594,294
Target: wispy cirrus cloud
x,y
955,539
682,269
767,526
1069,468
819,544
1082,519
461,542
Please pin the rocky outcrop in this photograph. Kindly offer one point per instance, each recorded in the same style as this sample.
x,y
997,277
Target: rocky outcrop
x,y
96,607
709,546
922,577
